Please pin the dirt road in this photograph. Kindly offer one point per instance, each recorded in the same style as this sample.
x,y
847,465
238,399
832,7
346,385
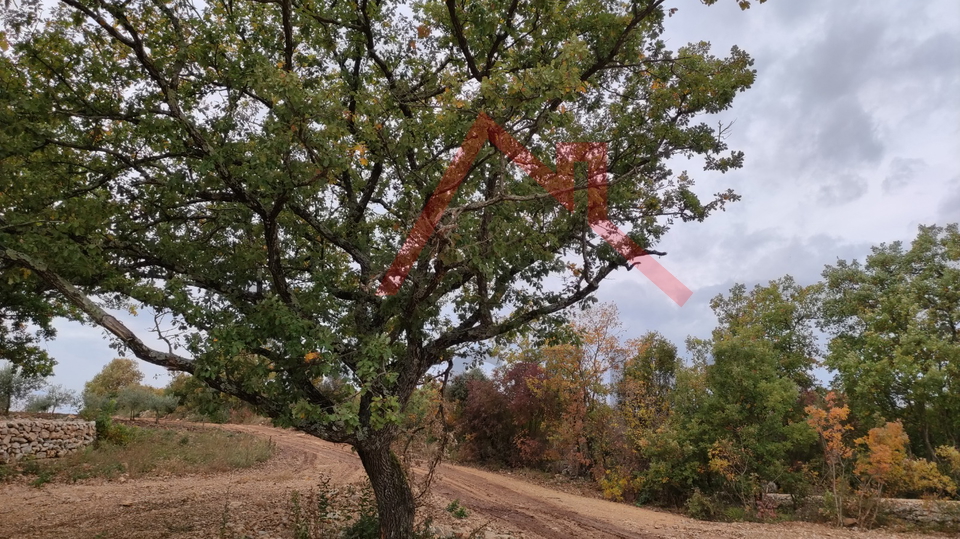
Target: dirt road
x,y
255,503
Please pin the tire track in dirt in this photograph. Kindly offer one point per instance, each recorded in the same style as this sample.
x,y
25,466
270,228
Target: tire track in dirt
x,y
529,514
507,503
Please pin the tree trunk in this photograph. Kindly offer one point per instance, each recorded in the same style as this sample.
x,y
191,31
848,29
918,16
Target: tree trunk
x,y
395,503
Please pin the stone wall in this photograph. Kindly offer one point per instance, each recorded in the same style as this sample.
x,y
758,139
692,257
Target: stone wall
x,y
923,511
43,438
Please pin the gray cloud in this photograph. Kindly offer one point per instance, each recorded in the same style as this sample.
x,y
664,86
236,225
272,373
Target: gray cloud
x,y
847,134
925,73
902,172
835,66
750,258
843,189
949,209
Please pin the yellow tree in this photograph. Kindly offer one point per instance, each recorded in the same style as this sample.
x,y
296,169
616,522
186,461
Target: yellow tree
x,y
577,375
645,381
829,422
885,467
116,375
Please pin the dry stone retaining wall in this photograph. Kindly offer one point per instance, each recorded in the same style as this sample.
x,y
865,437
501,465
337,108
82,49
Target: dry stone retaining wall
x,y
43,438
923,511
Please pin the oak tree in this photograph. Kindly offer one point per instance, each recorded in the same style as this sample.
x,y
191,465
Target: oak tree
x,y
250,170
894,320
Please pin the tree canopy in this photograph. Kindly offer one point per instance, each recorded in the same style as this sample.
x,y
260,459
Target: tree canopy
x,y
895,326
250,169
27,310
113,377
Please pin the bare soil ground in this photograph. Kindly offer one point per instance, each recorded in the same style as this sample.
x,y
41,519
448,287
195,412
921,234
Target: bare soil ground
x,y
255,503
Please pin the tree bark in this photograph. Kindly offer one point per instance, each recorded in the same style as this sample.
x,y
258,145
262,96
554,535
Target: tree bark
x,y
395,502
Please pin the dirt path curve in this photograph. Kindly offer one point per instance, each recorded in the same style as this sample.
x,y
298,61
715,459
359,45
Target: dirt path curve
x,y
255,503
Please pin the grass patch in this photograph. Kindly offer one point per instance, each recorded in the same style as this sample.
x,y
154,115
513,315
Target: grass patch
x,y
458,511
139,452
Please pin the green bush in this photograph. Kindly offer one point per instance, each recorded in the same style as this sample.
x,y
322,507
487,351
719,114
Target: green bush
x,y
367,526
457,510
734,513
96,405
702,506
114,433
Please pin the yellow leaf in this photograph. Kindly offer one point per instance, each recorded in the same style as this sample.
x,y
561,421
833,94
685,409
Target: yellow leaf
x,y
312,356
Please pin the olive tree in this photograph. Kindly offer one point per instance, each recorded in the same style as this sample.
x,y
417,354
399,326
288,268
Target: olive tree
x,y
16,386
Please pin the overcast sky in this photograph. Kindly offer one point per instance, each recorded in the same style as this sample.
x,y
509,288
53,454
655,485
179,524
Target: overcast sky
x,y
851,135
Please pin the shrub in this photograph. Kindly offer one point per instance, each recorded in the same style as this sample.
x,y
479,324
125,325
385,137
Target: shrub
x,y
457,510
702,506
96,405
114,433
950,462
886,469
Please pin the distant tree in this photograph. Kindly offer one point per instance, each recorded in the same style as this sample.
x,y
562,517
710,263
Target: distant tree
x,y
16,385
116,375
753,418
528,410
576,377
135,399
645,380
198,399
162,405
60,396
886,468
831,423
458,387
895,327
673,458
736,416
53,397
783,315
486,422
95,405
38,403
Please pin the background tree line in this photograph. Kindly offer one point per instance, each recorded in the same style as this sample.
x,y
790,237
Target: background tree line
x,y
747,409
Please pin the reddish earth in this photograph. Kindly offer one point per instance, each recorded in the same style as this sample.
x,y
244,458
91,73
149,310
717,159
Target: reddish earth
x,y
255,503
